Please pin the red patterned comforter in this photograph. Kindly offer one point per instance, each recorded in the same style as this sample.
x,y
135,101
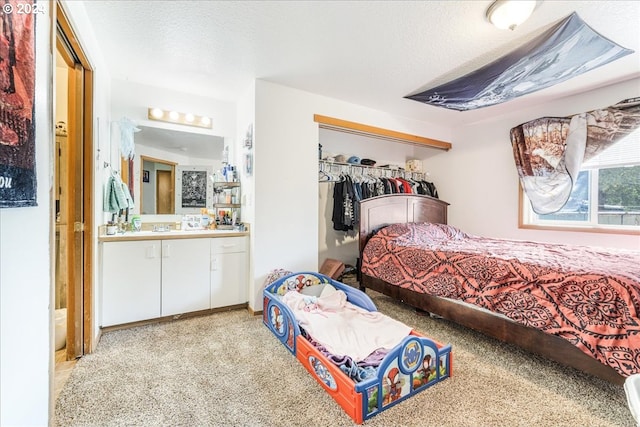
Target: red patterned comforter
x,y
587,296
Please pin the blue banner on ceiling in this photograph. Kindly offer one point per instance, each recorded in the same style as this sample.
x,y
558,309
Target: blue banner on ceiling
x,y
566,50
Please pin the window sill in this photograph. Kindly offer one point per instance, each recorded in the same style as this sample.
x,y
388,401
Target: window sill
x,y
581,229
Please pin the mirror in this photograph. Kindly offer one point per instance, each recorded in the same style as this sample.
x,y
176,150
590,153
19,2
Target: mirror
x,y
161,156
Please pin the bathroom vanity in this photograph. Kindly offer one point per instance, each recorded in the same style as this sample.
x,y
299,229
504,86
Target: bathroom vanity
x,y
150,275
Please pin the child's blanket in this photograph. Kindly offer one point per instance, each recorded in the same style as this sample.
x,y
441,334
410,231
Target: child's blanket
x,y
343,328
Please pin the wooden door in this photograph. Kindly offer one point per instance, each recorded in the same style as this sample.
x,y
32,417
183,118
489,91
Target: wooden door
x,y
164,192
75,186
75,209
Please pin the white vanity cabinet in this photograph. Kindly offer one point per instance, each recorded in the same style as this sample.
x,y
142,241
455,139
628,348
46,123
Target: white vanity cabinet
x,y
185,276
229,265
167,276
130,281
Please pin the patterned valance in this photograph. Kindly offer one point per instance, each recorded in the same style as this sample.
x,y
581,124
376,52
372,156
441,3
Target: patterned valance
x,y
549,151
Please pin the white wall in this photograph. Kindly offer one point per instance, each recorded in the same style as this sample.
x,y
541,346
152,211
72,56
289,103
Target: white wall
x,y
285,233
245,117
26,236
133,99
26,346
478,176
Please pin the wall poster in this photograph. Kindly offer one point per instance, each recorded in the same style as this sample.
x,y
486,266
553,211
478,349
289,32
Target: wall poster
x,y
17,91
194,188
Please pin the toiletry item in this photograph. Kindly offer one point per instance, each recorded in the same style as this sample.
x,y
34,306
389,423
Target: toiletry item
x,y
136,223
111,229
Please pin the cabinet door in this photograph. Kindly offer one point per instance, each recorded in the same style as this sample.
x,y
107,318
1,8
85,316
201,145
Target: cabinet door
x,y
185,275
130,281
229,265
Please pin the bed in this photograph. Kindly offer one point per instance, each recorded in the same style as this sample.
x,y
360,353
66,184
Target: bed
x,y
304,310
591,322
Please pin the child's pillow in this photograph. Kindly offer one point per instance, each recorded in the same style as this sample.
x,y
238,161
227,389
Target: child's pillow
x,y
314,290
327,290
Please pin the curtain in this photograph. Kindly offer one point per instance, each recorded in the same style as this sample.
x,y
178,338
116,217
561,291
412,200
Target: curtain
x,y
549,151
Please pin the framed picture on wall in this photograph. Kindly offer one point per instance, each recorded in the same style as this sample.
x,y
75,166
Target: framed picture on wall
x,y
248,164
17,93
145,176
194,189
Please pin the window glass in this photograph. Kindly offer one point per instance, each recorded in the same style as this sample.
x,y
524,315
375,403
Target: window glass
x,y
619,196
606,193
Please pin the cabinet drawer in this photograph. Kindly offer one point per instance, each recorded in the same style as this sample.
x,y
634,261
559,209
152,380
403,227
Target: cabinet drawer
x,y
224,245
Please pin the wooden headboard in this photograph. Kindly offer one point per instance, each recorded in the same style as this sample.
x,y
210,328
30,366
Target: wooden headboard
x,y
377,212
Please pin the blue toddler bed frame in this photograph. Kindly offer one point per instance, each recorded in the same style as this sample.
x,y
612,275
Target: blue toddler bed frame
x,y
413,365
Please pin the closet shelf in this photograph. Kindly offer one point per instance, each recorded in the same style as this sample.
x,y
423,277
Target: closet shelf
x,y
227,205
226,184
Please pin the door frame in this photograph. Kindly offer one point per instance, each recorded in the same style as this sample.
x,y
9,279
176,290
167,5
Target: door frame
x,y
83,285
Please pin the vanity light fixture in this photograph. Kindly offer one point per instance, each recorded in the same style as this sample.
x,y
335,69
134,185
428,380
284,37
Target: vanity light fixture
x,y
510,13
188,119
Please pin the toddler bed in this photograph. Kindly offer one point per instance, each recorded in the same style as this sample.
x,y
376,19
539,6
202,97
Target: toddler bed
x,y
366,361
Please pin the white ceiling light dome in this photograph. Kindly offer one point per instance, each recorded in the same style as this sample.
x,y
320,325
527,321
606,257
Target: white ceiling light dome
x,y
508,14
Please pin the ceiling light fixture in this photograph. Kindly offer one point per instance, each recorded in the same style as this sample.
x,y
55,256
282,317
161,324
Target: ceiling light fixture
x,y
188,119
510,13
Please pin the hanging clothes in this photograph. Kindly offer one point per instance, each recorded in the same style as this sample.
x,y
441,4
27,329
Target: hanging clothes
x,y
343,204
349,190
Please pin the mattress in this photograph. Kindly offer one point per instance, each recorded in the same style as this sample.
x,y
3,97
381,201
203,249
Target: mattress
x,y
588,296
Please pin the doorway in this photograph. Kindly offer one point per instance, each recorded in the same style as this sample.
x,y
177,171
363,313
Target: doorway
x,y
164,190
157,186
72,211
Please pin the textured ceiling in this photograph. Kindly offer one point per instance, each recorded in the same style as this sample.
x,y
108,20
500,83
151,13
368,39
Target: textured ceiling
x,y
371,53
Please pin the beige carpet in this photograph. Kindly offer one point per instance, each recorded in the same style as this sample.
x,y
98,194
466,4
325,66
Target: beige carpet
x,y
227,369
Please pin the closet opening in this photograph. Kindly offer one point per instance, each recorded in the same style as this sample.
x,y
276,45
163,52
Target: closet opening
x,y
342,153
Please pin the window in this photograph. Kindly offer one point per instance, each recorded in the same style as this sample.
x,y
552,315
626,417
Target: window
x,y
605,196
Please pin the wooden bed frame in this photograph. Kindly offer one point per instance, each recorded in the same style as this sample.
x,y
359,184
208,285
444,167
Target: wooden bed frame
x,y
380,211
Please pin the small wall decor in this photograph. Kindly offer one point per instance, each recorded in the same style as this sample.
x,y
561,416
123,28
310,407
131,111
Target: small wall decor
x,y
145,176
17,92
248,164
248,139
127,145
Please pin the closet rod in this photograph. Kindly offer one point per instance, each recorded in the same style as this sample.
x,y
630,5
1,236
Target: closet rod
x,y
350,168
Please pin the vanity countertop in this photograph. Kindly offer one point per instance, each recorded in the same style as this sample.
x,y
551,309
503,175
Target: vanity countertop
x,y
166,235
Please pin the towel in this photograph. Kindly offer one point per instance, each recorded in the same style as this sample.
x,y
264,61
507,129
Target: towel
x,y
116,196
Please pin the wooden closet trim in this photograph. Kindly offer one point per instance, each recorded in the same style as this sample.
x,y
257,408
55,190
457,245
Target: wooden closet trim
x,y
376,132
